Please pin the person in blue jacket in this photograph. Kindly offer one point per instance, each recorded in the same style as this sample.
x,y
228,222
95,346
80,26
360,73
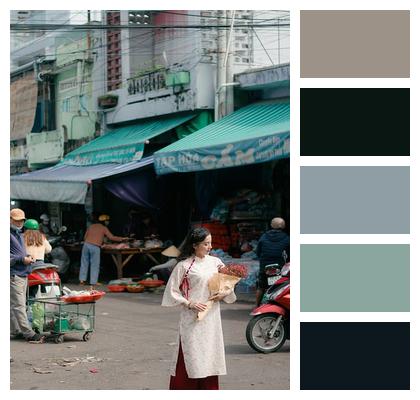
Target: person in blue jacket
x,y
20,268
270,250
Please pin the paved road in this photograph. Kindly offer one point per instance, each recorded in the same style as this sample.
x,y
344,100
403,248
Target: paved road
x,y
132,347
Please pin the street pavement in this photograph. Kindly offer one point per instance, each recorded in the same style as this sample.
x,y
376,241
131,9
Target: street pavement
x,y
132,347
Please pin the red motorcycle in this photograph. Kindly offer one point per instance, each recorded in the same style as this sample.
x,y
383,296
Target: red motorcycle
x,y
44,281
270,326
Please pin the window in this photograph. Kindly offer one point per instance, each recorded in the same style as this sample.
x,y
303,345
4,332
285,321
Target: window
x,y
138,17
65,105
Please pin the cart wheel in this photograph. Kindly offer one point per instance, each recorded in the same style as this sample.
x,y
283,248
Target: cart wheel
x,y
87,336
59,339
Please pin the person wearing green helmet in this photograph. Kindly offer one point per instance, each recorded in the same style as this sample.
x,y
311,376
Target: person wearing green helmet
x,y
31,224
36,243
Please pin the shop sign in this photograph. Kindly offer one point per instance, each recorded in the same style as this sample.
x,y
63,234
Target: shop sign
x,y
120,155
151,82
71,84
252,151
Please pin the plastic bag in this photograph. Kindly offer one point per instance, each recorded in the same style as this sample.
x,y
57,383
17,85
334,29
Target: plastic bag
x,y
80,323
38,316
220,211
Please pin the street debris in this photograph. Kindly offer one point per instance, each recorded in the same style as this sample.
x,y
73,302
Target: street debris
x,y
71,362
94,370
42,371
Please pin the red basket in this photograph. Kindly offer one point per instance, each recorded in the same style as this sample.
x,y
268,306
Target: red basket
x,y
135,288
116,288
83,298
151,283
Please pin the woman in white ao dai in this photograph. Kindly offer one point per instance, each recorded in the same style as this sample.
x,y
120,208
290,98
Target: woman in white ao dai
x,y
201,341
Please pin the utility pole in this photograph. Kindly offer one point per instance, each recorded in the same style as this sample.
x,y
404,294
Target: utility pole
x,y
278,40
89,39
219,106
229,64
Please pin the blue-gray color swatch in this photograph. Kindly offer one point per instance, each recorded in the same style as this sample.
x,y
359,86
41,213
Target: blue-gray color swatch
x,y
355,200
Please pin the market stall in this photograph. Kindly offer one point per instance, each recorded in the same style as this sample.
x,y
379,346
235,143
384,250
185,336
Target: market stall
x,y
122,255
241,170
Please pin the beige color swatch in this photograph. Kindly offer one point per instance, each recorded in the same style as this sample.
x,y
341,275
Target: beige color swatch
x,y
355,44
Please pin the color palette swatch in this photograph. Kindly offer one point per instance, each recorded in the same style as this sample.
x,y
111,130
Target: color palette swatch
x,y
355,355
355,200
355,44
355,122
355,278
358,123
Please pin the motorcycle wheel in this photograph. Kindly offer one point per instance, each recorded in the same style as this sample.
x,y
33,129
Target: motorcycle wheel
x,y
257,333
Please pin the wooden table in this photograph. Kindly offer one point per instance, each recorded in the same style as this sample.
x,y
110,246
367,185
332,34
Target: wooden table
x,y
122,256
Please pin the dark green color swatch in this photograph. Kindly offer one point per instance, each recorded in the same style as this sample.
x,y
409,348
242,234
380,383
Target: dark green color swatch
x,y
355,122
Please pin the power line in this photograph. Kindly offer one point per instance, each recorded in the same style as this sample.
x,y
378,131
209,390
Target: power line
x,y
46,27
94,92
123,86
46,35
279,14
131,38
216,17
266,52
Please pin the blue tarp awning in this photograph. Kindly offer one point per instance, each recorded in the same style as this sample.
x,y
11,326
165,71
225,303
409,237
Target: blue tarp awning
x,y
66,183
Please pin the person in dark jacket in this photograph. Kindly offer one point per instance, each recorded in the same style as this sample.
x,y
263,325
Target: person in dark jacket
x,y
20,268
270,250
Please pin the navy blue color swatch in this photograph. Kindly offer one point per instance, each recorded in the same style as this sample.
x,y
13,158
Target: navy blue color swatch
x,y
355,355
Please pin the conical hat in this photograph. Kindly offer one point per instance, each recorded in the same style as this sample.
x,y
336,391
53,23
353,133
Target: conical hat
x,y
171,251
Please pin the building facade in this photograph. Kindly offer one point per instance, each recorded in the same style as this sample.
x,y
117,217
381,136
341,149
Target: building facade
x,y
83,84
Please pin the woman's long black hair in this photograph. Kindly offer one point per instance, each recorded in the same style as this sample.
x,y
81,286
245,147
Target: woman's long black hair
x,y
194,236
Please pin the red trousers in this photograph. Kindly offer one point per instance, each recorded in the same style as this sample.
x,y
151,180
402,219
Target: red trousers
x,y
181,381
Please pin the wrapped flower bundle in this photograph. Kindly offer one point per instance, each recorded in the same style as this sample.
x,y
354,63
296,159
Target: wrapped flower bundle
x,y
237,270
223,283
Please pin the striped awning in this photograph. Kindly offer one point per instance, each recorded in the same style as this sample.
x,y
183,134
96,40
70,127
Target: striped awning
x,y
256,133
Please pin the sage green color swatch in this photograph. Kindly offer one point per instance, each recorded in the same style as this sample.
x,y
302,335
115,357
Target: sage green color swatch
x,y
355,278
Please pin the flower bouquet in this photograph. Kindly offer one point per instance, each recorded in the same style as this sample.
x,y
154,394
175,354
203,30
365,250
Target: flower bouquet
x,y
223,283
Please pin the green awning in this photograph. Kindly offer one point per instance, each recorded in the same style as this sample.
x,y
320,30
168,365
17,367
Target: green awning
x,y
124,144
256,133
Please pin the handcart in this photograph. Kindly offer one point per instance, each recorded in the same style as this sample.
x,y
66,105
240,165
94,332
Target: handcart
x,y
49,311
58,317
